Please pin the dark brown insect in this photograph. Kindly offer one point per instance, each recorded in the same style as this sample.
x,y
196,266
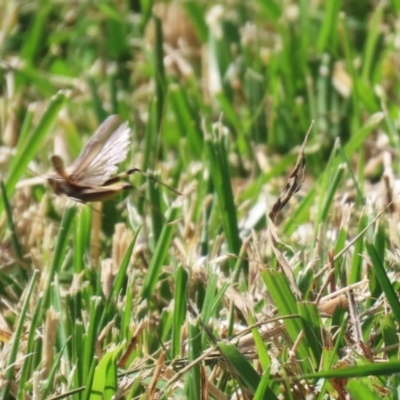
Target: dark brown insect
x,y
91,176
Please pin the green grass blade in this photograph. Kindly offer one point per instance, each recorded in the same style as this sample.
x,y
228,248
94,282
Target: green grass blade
x,y
283,297
192,377
362,133
119,280
27,124
271,9
90,338
255,90
82,226
53,374
105,383
357,261
186,120
27,368
159,72
312,326
126,316
264,390
76,352
377,264
26,150
262,348
89,379
59,253
229,112
333,187
216,154
181,280
98,108
196,16
390,336
34,38
241,366
154,193
14,237
160,253
378,369
374,34
9,373
362,389
207,307
328,34
62,331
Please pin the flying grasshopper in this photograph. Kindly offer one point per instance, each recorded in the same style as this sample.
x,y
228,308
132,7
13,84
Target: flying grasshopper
x,y
91,176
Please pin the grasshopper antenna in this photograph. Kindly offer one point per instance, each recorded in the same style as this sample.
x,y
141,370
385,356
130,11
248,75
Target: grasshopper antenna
x,y
151,177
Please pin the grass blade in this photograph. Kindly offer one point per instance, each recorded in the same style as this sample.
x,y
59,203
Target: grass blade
x,y
182,278
283,297
59,254
241,366
9,373
384,281
222,183
160,252
26,150
14,237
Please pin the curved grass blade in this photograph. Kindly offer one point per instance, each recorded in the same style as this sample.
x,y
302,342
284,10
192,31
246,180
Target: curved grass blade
x,y
105,382
242,367
244,370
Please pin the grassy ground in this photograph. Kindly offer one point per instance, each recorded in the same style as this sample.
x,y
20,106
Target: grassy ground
x,y
207,294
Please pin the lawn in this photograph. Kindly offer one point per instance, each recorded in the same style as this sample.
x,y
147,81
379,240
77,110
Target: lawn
x,y
254,252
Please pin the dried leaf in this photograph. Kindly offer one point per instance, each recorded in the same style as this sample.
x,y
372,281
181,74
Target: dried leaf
x,y
293,185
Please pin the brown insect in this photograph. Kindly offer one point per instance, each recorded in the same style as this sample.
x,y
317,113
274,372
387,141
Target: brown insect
x,y
90,176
